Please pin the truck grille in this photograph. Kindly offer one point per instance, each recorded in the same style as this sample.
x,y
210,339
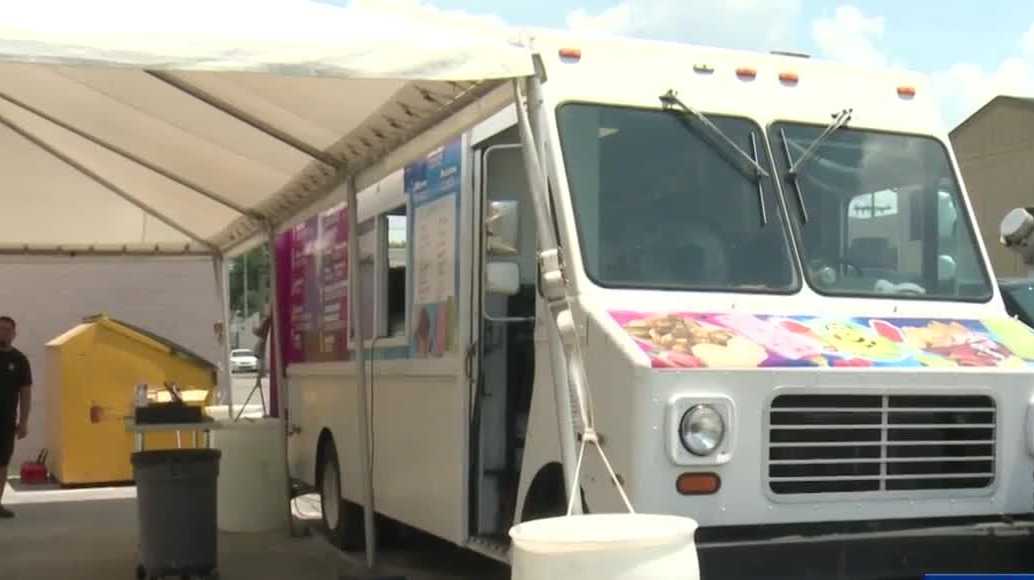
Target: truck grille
x,y
880,443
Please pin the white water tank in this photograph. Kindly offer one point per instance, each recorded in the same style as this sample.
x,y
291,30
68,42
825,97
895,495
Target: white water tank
x,y
252,475
606,547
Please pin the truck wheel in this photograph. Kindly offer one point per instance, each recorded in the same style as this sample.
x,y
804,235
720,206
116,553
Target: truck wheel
x,y
342,520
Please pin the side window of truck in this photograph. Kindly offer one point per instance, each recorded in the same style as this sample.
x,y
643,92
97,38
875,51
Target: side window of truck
x,y
397,257
368,278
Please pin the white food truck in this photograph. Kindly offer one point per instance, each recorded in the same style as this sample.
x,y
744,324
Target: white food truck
x,y
784,316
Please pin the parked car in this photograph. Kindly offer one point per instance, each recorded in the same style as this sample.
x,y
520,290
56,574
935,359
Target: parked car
x,y
243,360
1018,295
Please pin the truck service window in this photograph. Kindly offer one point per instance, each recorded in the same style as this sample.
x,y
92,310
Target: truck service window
x,y
660,205
878,214
398,256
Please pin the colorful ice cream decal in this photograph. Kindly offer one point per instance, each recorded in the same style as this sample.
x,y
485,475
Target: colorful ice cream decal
x,y
695,340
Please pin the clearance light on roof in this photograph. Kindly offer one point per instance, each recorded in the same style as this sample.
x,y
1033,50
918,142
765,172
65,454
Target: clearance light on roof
x,y
747,74
574,54
788,78
906,92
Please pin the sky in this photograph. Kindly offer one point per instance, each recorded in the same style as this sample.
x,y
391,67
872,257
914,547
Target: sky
x,y
971,49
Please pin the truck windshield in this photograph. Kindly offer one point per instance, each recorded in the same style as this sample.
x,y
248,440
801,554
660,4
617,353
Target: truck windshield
x,y
660,206
879,214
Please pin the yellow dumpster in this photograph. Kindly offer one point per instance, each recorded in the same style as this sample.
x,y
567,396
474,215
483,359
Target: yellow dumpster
x,y
92,374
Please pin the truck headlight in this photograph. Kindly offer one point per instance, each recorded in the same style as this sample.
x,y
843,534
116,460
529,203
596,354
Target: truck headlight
x,y
702,430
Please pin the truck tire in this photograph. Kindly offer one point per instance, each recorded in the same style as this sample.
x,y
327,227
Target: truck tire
x,y
342,519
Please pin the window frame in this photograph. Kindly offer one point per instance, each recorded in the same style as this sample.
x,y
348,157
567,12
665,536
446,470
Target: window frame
x,y
385,337
382,264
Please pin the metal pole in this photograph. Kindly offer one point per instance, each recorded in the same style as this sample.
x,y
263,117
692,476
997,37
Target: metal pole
x,y
122,152
276,369
555,292
244,117
54,151
226,394
245,259
356,324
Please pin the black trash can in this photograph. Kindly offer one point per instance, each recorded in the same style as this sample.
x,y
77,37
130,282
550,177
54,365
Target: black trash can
x,y
176,504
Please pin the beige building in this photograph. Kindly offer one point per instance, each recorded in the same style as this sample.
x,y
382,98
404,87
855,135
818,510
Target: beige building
x,y
995,148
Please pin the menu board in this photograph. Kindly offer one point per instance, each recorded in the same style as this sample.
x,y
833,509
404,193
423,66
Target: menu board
x,y
333,308
312,267
434,186
297,289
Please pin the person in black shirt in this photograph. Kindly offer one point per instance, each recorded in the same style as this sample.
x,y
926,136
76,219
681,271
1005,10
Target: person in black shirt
x,y
15,400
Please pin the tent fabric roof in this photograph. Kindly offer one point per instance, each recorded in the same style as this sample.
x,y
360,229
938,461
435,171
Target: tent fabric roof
x,y
185,128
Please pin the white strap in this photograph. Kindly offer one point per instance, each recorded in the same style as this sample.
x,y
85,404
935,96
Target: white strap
x,y
586,439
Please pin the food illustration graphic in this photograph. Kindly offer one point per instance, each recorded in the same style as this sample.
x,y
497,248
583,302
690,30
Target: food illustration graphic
x,y
961,345
677,341
851,340
735,340
1014,335
773,335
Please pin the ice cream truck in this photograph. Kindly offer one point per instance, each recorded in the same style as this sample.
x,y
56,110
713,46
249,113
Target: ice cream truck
x,y
758,272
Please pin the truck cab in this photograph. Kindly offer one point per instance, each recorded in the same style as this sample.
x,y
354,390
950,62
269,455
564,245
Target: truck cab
x,y
790,329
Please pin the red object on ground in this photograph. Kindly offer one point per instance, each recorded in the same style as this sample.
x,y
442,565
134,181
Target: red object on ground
x,y
35,472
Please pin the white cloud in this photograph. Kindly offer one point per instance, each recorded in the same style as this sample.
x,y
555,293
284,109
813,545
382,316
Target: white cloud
x,y
965,87
747,24
1027,44
851,37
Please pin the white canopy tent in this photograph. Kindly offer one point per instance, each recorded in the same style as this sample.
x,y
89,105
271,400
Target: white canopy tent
x,y
188,127
199,128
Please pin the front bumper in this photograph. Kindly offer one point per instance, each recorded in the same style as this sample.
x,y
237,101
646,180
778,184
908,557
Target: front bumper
x,y
867,550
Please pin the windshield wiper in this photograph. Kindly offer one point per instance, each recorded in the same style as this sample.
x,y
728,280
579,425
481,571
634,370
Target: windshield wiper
x,y
747,164
839,120
793,172
792,176
718,137
761,188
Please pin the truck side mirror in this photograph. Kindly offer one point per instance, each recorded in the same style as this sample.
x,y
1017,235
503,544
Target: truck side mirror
x,y
501,228
502,278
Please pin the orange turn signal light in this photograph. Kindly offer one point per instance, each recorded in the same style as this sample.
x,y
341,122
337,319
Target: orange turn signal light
x,y
906,92
698,483
571,53
746,73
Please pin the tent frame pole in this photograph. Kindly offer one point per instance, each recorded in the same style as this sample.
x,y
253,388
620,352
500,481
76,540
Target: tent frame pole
x,y
223,289
571,390
242,116
276,370
68,160
357,335
126,154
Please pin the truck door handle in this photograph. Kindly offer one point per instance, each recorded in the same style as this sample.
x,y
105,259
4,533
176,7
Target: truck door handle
x,y
468,361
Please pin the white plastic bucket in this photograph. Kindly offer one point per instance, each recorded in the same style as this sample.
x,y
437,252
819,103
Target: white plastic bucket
x,y
606,547
252,476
